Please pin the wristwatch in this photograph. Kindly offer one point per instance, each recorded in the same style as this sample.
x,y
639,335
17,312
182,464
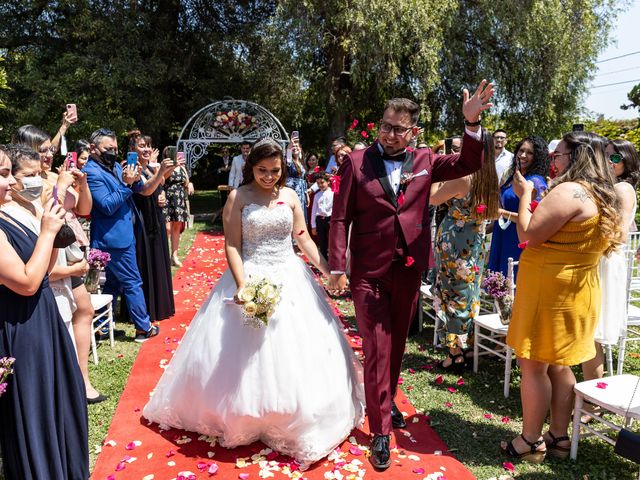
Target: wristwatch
x,y
472,124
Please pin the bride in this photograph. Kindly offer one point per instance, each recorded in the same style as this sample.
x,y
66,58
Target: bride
x,y
295,383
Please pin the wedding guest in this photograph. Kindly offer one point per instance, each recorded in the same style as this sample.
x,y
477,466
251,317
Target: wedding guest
x,y
459,253
82,149
625,166
388,210
237,165
224,166
321,212
503,156
112,188
152,246
532,161
296,175
175,211
43,412
342,152
74,194
312,167
557,299
336,143
360,146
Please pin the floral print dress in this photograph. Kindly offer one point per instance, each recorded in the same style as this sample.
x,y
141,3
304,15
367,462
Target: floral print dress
x,y
176,209
459,258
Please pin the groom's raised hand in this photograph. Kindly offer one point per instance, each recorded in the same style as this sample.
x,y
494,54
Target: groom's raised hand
x,y
474,105
337,283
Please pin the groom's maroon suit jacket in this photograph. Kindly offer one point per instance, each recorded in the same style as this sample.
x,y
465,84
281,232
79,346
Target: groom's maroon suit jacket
x,y
365,200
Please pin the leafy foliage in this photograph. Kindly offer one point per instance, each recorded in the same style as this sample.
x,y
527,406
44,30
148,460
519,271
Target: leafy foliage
x,y
634,98
612,129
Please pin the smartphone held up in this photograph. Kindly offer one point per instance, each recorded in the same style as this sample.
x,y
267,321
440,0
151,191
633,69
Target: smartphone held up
x,y
179,158
72,113
132,159
71,161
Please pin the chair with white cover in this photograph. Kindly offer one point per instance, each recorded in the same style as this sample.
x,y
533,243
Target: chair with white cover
x,y
490,336
103,306
617,395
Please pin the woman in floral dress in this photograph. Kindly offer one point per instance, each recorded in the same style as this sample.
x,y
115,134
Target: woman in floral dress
x,y
297,175
459,252
175,211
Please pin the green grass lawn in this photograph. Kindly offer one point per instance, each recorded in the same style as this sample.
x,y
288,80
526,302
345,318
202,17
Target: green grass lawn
x,y
473,438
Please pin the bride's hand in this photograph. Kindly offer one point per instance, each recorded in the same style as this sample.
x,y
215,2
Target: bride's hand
x,y
236,296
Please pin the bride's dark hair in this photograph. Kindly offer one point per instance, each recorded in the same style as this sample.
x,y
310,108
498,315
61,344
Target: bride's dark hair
x,y
265,148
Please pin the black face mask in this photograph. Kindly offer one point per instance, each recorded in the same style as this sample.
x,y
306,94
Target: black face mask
x,y
109,157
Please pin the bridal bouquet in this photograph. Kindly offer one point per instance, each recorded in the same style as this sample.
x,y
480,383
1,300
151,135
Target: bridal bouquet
x,y
260,298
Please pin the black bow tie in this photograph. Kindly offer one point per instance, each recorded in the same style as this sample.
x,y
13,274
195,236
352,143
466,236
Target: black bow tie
x,y
395,158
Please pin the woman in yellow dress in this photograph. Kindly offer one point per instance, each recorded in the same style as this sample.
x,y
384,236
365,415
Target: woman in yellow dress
x,y
558,289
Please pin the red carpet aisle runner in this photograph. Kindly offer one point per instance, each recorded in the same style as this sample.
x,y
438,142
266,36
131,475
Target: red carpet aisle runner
x,y
134,450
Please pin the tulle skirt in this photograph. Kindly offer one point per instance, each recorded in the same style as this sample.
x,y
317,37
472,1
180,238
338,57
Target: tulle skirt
x,y
294,384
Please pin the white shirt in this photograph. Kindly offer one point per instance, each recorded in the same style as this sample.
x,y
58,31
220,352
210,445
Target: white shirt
x,y
322,205
503,162
235,174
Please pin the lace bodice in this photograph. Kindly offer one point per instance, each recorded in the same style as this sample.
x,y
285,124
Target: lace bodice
x,y
266,234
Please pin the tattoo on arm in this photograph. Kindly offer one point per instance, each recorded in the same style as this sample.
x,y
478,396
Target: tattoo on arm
x,y
581,194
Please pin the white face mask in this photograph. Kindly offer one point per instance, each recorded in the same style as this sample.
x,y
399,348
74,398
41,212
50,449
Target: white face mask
x,y
32,188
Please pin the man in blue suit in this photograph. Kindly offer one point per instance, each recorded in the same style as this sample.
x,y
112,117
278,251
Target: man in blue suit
x,y
112,222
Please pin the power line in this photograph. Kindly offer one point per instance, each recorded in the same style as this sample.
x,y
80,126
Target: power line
x,y
620,56
617,71
617,83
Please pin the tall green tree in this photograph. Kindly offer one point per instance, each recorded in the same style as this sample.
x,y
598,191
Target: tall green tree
x,y
634,99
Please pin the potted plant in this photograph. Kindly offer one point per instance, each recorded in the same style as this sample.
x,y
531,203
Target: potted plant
x,y
499,287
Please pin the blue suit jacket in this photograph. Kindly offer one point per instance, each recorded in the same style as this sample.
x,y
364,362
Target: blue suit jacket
x,y
113,209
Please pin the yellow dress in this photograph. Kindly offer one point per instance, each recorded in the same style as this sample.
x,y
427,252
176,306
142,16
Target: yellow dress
x,y
557,301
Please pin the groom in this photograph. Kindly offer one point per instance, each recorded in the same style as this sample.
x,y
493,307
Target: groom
x,y
384,197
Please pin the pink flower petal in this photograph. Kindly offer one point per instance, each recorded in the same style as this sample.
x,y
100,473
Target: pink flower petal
x,y
121,466
481,208
460,382
213,469
448,404
400,381
439,379
505,419
533,205
171,453
280,203
452,390
401,199
523,245
300,232
411,370
601,385
355,451
271,455
419,471
488,416
508,466
243,476
409,261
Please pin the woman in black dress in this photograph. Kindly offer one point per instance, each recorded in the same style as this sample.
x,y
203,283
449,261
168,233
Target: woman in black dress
x,y
152,248
175,211
43,413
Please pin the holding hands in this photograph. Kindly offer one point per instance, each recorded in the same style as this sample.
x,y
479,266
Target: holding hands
x,y
337,283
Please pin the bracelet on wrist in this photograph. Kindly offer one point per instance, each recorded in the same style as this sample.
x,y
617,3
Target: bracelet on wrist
x,y
472,124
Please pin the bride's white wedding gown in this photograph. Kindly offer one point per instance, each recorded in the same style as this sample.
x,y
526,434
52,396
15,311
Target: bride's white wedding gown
x,y
294,384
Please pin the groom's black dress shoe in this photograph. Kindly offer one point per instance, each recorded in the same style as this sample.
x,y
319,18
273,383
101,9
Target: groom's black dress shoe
x,y
380,455
397,419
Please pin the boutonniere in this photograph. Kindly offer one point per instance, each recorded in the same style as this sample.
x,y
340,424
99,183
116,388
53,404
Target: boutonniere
x,y
407,177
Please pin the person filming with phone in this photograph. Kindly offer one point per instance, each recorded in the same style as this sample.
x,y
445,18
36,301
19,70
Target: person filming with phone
x,y
112,216
531,160
296,173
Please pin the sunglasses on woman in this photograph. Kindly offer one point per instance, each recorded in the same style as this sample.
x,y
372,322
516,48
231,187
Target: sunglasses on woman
x,y
615,158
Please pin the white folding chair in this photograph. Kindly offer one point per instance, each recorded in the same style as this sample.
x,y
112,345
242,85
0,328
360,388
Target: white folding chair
x,y
611,395
490,337
103,306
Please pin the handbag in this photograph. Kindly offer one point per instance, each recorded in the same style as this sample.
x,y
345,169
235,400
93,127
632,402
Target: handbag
x,y
64,237
628,442
74,253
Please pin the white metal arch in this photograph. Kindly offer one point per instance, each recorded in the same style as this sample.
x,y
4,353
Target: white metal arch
x,y
227,121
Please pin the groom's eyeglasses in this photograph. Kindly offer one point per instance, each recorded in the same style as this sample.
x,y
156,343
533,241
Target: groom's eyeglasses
x,y
398,130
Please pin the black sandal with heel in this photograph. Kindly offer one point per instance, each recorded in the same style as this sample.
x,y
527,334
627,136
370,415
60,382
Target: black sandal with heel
x,y
533,455
556,450
456,366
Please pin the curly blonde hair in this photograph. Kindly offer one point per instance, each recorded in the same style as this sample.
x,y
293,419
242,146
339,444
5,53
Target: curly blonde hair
x,y
589,167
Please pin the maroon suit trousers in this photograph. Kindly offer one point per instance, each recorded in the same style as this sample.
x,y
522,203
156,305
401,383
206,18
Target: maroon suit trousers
x,y
384,307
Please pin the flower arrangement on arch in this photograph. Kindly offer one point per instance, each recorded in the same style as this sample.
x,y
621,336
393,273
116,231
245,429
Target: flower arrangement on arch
x,y
6,369
234,121
98,259
260,298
